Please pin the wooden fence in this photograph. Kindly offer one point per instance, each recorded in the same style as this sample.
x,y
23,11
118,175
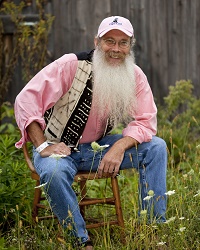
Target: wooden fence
x,y
167,36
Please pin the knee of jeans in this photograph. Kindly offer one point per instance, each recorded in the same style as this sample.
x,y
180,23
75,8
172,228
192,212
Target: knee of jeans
x,y
56,172
160,151
160,144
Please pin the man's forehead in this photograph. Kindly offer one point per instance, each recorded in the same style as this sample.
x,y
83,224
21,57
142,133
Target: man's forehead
x,y
116,34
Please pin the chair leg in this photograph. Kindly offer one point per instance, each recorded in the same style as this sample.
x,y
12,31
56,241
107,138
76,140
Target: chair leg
x,y
83,191
36,201
115,188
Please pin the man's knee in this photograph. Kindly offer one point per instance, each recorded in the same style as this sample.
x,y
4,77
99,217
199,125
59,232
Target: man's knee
x,y
159,143
57,169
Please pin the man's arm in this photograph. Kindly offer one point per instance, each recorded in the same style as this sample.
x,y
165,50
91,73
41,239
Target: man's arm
x,y
42,92
113,158
37,137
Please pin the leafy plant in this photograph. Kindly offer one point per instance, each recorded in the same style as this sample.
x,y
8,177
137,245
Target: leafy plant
x,y
3,247
178,120
7,121
29,43
178,124
16,187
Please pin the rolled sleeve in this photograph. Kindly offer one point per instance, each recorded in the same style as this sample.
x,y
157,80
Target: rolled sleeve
x,y
42,92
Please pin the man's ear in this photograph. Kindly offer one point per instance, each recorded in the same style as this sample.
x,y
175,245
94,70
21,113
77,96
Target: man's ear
x,y
95,42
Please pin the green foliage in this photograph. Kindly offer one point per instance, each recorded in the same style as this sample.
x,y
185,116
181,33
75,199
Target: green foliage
x,y
3,245
15,183
178,124
7,121
29,44
178,120
180,94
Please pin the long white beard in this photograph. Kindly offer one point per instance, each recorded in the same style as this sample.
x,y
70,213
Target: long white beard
x,y
113,87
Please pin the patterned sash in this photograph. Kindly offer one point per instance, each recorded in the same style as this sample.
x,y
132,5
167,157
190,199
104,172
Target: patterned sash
x,y
66,120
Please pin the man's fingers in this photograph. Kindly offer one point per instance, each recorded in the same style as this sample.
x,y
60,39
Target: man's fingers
x,y
116,171
104,169
60,149
100,171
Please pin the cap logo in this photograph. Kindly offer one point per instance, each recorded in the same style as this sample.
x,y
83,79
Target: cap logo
x,y
115,21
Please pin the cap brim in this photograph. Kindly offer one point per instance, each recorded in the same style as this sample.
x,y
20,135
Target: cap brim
x,y
116,28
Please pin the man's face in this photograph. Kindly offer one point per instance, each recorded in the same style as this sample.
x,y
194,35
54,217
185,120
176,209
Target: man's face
x,y
116,45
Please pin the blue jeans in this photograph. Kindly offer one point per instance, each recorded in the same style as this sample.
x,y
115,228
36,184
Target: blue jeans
x,y
149,158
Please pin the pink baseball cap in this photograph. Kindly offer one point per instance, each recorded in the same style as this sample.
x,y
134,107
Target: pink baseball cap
x,y
115,22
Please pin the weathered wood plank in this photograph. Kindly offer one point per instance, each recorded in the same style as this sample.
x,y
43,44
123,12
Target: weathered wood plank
x,y
167,35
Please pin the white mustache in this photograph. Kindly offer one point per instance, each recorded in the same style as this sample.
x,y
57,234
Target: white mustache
x,y
116,55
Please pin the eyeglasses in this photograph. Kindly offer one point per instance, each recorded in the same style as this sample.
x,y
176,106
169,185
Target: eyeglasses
x,y
123,44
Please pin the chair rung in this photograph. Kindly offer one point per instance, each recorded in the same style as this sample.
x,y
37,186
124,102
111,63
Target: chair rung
x,y
43,206
45,217
101,224
91,201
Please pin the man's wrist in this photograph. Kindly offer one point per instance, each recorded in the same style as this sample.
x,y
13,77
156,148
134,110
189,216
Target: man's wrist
x,y
127,142
42,147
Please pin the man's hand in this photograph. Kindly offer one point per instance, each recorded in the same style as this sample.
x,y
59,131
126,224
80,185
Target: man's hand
x,y
113,158
60,149
111,161
37,137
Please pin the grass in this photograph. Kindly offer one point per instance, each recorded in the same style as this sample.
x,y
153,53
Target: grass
x,y
180,129
182,230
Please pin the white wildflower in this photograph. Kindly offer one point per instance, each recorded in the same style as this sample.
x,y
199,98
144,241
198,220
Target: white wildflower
x,y
181,218
161,243
103,147
42,185
57,156
170,192
197,194
170,220
96,147
181,229
191,172
147,198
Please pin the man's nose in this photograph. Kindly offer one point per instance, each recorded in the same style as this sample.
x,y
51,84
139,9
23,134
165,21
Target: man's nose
x,y
116,47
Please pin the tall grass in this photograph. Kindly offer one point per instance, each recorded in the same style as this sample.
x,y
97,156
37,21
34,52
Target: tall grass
x,y
179,125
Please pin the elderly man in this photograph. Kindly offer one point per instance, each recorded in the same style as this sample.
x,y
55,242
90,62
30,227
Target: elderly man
x,y
78,99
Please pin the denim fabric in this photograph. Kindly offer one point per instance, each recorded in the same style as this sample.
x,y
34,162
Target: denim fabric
x,y
149,158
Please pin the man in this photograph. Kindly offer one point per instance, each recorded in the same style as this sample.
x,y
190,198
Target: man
x,y
75,101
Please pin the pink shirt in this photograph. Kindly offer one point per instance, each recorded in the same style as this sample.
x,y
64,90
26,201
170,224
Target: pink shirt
x,y
53,81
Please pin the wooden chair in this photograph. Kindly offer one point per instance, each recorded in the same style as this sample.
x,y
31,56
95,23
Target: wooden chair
x,y
81,178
